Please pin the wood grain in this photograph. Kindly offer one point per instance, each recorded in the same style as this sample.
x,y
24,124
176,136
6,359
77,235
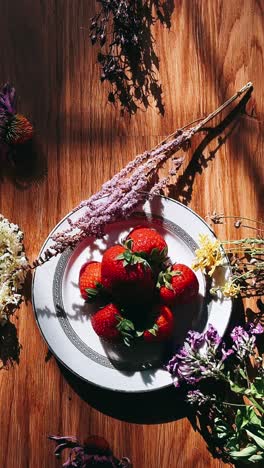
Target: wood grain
x,y
212,49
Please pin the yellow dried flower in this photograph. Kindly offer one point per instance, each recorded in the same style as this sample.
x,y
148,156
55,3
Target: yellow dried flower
x,y
231,289
208,256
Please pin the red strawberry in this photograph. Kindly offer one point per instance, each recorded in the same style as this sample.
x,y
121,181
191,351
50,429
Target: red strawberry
x,y
148,241
163,326
178,285
109,324
90,281
127,276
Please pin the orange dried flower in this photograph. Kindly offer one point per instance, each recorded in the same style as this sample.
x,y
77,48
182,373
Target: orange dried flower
x,y
18,130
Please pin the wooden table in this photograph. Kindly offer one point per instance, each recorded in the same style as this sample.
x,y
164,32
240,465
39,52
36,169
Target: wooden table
x,y
213,48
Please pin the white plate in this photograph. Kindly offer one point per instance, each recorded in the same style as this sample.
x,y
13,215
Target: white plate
x,y
63,317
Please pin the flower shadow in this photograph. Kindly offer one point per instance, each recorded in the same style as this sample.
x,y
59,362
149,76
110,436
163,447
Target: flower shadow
x,y
257,315
9,346
24,165
133,68
183,189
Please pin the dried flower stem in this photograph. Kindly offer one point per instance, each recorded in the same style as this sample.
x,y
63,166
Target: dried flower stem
x,y
131,186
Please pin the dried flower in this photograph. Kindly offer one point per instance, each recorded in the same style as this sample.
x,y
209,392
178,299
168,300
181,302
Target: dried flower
x,y
18,130
13,267
235,428
94,452
127,58
119,197
196,397
198,358
245,340
14,128
208,256
230,289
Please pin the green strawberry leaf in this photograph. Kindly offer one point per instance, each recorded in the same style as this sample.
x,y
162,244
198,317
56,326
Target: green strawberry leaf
x,y
120,257
126,329
154,329
176,273
92,292
157,256
165,278
139,333
127,341
132,258
128,244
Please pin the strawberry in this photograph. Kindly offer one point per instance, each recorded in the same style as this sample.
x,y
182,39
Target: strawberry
x,y
163,326
178,285
127,276
109,324
149,242
90,280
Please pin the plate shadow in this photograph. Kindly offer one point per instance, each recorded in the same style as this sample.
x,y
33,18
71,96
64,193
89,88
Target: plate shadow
x,y
153,407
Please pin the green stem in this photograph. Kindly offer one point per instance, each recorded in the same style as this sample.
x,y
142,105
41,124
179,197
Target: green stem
x,y
232,404
241,217
256,404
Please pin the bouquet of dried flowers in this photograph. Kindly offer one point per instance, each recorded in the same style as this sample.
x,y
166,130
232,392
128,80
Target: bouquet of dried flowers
x,y
13,268
246,260
208,368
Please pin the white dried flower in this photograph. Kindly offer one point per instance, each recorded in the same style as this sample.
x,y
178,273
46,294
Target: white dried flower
x,y
13,267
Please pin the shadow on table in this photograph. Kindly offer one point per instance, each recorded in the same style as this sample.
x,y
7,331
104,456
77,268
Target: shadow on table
x,y
183,189
143,408
25,165
9,346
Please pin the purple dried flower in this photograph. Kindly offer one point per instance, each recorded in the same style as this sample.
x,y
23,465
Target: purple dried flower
x,y
196,397
7,100
94,452
255,329
226,353
244,342
199,358
196,340
212,336
238,333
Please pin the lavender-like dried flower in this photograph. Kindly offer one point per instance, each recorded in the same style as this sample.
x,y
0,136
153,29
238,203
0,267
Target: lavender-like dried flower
x,y
94,452
119,197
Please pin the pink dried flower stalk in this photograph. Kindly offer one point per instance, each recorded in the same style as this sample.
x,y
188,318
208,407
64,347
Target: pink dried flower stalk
x,y
119,196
